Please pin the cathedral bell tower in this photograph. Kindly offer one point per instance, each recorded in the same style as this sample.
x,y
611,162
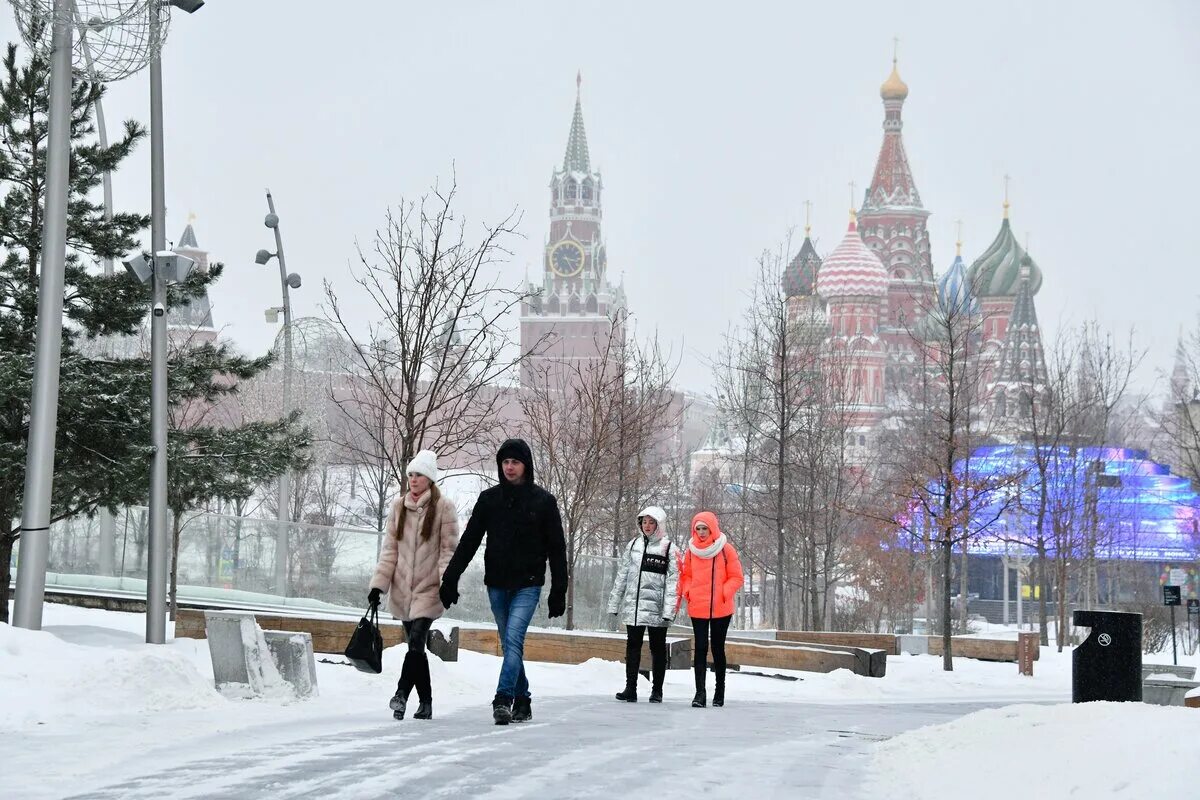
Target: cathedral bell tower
x,y
575,309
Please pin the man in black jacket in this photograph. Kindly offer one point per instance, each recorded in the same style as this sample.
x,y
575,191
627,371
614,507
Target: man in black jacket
x,y
524,531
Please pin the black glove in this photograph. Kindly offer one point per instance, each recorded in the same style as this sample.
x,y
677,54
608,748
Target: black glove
x,y
448,593
557,605
373,597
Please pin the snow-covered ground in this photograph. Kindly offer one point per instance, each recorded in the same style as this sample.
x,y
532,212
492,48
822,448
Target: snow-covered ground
x,y
98,713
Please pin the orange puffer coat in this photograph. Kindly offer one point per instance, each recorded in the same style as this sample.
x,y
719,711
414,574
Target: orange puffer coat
x,y
712,572
410,569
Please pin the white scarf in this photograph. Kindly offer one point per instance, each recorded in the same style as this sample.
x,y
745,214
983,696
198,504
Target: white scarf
x,y
708,552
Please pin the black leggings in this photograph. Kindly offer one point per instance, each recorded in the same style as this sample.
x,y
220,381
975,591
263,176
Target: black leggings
x,y
633,653
416,633
702,629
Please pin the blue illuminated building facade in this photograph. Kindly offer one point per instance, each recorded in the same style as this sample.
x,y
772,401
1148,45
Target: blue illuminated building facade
x,y
1118,501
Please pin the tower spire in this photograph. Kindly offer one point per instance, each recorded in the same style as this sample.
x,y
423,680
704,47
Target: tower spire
x,y
958,241
576,158
1007,178
808,218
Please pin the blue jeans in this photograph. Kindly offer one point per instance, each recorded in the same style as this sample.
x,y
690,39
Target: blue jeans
x,y
513,610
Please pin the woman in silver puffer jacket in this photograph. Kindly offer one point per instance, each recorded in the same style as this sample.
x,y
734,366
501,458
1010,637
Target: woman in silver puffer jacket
x,y
645,594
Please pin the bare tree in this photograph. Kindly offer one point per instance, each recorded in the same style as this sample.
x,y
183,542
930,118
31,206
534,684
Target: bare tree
x,y
1180,419
584,435
946,502
429,372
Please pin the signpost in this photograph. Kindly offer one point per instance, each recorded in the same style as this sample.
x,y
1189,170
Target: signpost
x,y
1173,596
1193,607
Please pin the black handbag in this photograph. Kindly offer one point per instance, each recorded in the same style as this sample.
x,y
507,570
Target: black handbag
x,y
365,650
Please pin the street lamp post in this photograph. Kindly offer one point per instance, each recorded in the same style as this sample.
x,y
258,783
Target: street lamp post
x,y
43,408
157,561
286,281
164,268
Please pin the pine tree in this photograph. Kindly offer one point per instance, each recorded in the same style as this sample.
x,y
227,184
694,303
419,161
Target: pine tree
x,y
103,451
101,403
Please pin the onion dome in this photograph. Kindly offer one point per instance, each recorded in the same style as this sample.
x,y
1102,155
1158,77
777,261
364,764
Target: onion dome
x,y
800,276
894,88
852,270
954,289
997,273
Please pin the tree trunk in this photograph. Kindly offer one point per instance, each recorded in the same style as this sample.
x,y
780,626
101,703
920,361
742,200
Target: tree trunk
x,y
963,585
175,528
947,614
7,541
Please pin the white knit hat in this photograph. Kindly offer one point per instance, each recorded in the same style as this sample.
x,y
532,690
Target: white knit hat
x,y
424,463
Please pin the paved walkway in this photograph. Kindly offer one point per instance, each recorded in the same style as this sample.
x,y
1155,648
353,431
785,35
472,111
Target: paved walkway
x,y
573,748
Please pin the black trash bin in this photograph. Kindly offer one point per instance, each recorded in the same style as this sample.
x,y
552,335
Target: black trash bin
x,y
1108,664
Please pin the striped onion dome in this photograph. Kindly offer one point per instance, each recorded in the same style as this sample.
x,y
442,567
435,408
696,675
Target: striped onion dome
x,y
852,270
997,273
954,291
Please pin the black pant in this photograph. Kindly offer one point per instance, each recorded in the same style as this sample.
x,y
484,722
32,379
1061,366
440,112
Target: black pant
x,y
415,671
633,654
703,628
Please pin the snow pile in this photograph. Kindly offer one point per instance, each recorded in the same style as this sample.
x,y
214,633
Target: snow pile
x,y
48,678
1070,750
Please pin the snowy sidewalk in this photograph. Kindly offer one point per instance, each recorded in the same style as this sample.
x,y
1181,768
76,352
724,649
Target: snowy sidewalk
x,y
576,747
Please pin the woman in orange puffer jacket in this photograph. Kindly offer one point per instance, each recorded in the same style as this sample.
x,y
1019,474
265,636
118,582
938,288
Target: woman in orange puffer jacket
x,y
711,576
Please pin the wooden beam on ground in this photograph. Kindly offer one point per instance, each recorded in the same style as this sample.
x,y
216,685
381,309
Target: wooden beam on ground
x,y
328,635
982,649
874,641
574,647
806,657
872,662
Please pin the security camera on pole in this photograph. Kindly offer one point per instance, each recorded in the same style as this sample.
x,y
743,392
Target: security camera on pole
x,y
286,281
115,42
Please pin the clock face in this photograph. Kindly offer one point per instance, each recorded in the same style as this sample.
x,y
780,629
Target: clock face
x,y
566,259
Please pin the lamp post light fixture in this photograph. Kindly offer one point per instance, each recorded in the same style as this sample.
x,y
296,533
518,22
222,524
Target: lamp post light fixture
x,y
286,281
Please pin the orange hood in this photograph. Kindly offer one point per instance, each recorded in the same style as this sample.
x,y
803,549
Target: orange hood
x,y
709,519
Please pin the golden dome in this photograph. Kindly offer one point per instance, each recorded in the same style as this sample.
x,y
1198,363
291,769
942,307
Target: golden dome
x,y
894,88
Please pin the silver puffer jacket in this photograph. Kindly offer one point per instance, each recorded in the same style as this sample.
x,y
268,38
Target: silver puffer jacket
x,y
644,590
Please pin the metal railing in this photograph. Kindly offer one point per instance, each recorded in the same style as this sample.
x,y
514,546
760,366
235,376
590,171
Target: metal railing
x,y
224,558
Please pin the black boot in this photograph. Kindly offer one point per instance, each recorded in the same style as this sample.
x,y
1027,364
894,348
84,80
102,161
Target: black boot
x,y
424,689
701,695
698,700
659,672
400,699
719,691
628,695
502,709
522,709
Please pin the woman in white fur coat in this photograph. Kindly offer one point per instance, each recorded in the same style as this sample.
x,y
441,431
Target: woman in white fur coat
x,y
422,532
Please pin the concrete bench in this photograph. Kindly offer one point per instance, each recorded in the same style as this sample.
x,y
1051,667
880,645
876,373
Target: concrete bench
x,y
1180,671
1167,690
250,662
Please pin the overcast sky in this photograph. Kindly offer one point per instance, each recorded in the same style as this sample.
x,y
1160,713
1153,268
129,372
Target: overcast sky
x,y
711,124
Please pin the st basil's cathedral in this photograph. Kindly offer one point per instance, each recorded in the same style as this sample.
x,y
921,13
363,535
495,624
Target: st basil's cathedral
x,y
878,287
